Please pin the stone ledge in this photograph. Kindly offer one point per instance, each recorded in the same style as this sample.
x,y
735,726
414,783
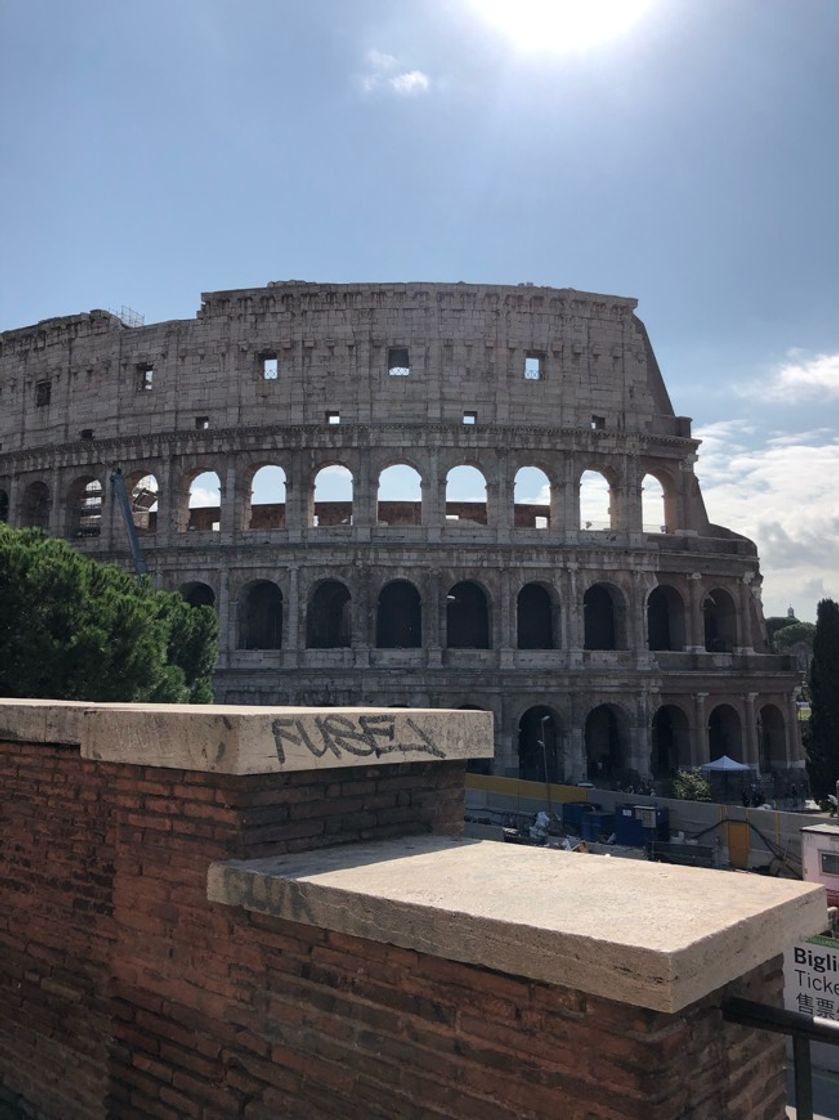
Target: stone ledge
x,y
648,934
245,739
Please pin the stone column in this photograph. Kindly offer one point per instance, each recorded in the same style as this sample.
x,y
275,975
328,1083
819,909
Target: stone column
x,y
569,512
58,512
501,498
230,515
433,499
639,736
166,503
745,640
432,618
294,640
225,619
573,615
695,628
630,514
751,752
504,619
361,622
699,747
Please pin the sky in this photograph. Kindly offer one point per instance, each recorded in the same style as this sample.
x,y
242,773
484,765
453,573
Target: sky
x,y
687,156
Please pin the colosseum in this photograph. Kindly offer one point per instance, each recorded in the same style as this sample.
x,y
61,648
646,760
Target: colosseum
x,y
415,494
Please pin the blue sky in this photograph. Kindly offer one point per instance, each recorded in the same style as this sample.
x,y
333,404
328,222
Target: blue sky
x,y
155,150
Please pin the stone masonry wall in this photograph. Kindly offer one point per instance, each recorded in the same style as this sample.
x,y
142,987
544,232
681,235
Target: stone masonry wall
x,y
127,995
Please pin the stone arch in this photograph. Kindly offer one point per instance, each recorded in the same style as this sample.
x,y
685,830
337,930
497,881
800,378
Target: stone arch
x,y
466,495
670,740
537,617
399,616
4,506
201,509
198,594
35,506
720,616
265,507
606,743
598,499
536,726
399,495
84,507
531,498
604,617
725,733
772,738
329,617
143,492
261,616
665,619
468,616
653,504
332,496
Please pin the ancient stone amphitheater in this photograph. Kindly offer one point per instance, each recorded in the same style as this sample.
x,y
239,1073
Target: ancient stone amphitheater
x,y
465,562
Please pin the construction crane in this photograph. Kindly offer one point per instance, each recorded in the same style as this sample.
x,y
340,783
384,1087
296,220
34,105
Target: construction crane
x,y
121,495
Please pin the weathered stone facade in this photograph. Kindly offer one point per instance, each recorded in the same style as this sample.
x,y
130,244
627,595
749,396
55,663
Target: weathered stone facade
x,y
643,649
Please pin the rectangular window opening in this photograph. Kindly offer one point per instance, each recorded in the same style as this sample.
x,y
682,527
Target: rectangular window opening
x,y
470,418
829,862
145,378
43,393
86,433
333,418
533,366
598,423
398,361
270,367
202,423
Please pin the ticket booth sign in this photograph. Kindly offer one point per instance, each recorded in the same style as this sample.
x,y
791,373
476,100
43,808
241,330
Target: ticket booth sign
x,y
811,986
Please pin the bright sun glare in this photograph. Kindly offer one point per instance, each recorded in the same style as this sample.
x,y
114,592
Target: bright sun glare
x,y
561,25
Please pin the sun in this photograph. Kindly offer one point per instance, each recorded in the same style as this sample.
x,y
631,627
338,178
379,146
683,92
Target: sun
x,y
561,25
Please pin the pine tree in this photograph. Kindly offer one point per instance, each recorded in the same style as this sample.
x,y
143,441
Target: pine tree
x,y
821,739
74,629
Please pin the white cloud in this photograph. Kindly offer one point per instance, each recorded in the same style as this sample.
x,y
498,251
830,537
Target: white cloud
x,y
802,377
410,83
782,495
384,72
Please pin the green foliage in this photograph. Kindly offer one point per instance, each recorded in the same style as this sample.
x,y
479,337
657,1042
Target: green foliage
x,y
691,785
821,738
74,629
775,624
791,635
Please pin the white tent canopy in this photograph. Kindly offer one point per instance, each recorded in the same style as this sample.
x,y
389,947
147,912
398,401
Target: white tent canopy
x,y
725,765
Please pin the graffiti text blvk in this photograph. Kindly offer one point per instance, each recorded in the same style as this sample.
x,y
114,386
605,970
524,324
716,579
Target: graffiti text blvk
x,y
361,736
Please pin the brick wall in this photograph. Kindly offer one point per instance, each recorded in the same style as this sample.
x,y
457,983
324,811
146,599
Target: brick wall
x,y
127,995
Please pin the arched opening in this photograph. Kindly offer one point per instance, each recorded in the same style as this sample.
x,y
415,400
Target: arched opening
x,y
725,733
198,594
604,618
204,503
653,506
267,501
670,741
35,507
399,616
720,622
261,616
665,619
4,506
84,508
399,500
333,496
467,617
329,618
772,738
539,745
466,496
606,741
531,499
143,497
596,505
536,622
